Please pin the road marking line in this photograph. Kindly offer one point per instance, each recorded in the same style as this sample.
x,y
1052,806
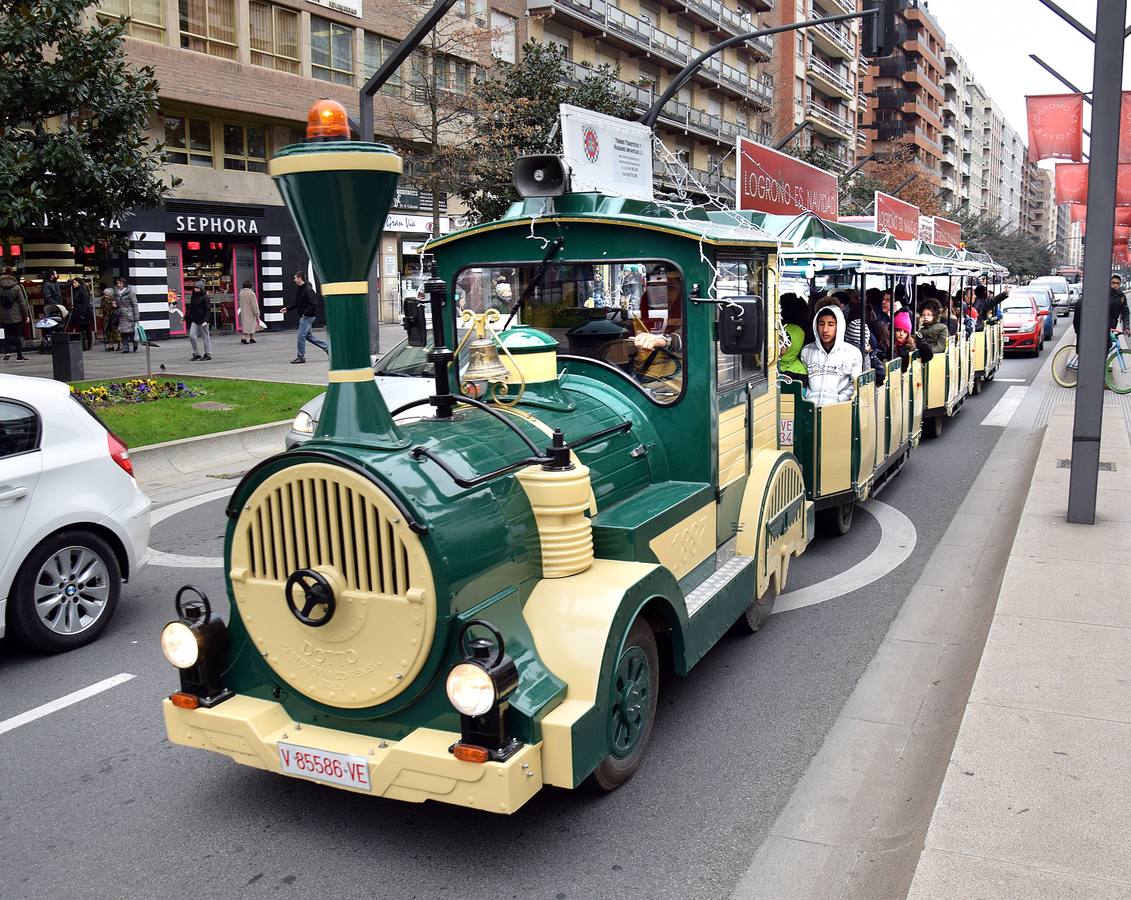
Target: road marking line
x,y
897,542
177,560
63,702
1003,412
1012,380
189,503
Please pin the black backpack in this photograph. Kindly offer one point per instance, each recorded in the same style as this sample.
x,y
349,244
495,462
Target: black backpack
x,y
8,297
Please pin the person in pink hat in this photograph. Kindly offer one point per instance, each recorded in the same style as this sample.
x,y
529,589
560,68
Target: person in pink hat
x,y
907,341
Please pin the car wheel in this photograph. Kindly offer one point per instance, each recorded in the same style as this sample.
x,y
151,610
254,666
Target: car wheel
x,y
65,592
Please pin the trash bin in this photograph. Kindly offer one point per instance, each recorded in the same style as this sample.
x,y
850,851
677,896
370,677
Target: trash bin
x,y
66,357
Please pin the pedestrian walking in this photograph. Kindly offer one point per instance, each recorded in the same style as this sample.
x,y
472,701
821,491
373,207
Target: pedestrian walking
x,y
108,310
82,313
306,303
199,308
249,313
127,314
15,312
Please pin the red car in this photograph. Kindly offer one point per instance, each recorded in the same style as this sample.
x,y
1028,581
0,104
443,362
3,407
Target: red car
x,y
1022,324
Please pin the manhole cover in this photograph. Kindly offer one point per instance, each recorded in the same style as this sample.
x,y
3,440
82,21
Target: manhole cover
x,y
1067,464
212,405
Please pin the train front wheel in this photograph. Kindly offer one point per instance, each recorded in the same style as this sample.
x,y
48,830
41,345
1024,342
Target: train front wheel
x,y
933,427
634,689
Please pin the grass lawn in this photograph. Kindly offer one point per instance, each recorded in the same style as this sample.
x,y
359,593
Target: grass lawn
x,y
252,402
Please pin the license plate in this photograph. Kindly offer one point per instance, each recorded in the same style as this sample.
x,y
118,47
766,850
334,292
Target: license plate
x,y
322,765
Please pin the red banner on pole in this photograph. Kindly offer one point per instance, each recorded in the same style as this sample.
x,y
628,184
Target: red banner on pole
x,y
1121,256
1122,234
899,219
1077,212
1072,183
1125,128
773,182
1056,126
1123,185
947,233
1123,215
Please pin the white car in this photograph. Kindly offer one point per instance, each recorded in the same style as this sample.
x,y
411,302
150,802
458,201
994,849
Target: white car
x,y
1061,290
75,524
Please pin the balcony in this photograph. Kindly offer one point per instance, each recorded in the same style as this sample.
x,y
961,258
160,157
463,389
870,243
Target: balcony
x,y
833,40
829,123
729,21
757,91
828,80
836,7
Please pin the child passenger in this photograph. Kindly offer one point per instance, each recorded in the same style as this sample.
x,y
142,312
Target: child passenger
x,y
907,341
832,364
934,332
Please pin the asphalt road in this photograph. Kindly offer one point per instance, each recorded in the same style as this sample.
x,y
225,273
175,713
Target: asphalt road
x,y
94,802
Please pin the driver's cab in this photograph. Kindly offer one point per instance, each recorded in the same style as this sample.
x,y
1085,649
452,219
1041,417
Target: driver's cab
x,y
629,314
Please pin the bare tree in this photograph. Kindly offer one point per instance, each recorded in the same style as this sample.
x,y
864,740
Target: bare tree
x,y
436,103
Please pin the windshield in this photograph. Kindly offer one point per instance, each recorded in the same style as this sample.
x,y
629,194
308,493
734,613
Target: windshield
x,y
405,360
628,315
1021,304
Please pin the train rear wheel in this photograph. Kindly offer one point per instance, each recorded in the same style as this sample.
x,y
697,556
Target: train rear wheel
x,y
933,427
836,521
633,691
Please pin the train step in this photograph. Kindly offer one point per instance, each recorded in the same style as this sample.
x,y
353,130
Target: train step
x,y
729,566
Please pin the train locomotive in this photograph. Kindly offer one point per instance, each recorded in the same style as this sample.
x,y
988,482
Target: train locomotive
x,y
470,599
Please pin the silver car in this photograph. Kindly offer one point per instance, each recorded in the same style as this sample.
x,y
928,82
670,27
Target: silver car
x,y
402,375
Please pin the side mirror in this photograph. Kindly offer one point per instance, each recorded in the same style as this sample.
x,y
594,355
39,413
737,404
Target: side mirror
x,y
742,326
415,323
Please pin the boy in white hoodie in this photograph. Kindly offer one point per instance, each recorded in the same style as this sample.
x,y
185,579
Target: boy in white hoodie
x,y
833,365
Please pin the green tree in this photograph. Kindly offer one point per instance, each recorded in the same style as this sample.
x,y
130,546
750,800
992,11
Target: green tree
x,y
517,109
73,117
1024,256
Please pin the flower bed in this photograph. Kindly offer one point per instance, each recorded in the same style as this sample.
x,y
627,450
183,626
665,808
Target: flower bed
x,y
136,390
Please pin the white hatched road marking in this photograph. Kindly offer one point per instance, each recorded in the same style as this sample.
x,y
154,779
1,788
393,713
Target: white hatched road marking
x,y
63,702
897,541
1003,412
1011,380
177,560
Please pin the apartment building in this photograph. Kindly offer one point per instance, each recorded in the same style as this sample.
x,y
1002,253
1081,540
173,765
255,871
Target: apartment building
x,y
905,96
1038,220
962,164
817,76
649,41
237,80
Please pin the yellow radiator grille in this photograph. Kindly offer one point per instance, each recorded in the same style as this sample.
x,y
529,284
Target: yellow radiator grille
x,y
343,527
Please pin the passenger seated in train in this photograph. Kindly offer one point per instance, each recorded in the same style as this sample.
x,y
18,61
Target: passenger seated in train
x,y
833,365
907,341
879,303
934,332
794,315
901,299
985,304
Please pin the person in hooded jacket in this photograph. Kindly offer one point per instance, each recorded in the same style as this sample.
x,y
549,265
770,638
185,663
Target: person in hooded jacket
x,y
128,315
833,365
793,313
82,312
934,332
15,312
199,308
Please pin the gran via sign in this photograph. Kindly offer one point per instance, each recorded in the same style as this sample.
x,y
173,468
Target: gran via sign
x,y
349,7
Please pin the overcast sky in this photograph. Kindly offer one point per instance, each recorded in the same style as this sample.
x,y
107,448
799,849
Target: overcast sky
x,y
995,37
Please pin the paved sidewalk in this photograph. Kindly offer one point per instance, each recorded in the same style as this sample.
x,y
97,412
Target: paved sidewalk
x,y
268,359
1036,796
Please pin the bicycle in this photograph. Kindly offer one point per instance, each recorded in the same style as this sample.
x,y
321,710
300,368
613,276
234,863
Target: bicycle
x,y
1117,376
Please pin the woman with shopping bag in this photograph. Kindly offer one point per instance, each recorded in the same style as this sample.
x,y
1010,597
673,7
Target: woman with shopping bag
x,y
249,314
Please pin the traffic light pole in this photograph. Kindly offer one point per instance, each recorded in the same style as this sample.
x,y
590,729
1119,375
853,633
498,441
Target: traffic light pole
x,y
1111,18
649,118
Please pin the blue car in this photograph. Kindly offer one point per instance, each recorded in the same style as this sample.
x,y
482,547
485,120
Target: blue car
x,y
1044,298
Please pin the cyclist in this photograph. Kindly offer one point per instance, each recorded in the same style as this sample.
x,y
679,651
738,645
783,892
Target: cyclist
x,y
1117,312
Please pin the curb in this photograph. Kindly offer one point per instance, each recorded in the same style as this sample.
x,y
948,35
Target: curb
x,y
197,454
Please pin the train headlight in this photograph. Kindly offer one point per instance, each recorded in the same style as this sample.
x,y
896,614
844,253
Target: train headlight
x,y
180,645
478,687
471,689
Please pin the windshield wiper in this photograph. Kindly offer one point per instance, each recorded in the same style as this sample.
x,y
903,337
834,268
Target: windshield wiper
x,y
551,252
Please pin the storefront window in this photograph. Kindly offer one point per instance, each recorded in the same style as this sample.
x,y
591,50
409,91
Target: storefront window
x,y
331,51
188,141
377,50
245,148
209,26
628,315
147,17
274,37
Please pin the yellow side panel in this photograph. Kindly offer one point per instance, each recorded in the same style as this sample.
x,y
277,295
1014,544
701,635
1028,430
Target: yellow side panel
x,y
881,422
732,444
897,414
557,741
866,410
766,421
979,351
688,542
936,381
834,422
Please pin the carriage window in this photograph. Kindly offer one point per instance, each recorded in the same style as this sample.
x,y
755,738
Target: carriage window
x,y
626,314
743,277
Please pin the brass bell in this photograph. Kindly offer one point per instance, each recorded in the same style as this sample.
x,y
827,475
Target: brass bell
x,y
483,355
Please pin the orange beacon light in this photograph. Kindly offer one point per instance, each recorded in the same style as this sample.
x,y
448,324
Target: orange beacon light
x,y
327,121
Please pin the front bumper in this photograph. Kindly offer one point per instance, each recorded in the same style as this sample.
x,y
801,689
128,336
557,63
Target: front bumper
x,y
1018,341
414,769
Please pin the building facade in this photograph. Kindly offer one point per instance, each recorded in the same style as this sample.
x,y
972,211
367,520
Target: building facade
x,y
816,75
1038,220
904,92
